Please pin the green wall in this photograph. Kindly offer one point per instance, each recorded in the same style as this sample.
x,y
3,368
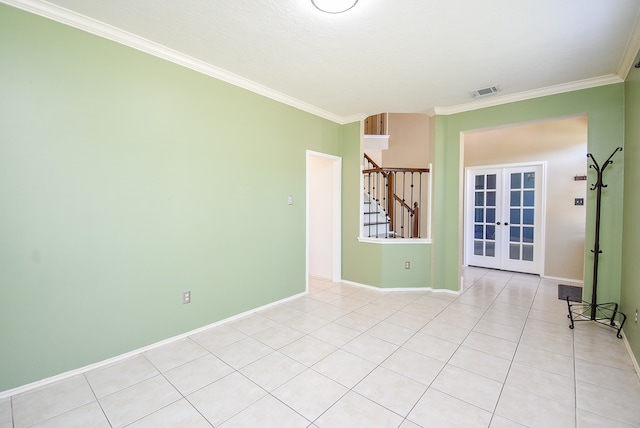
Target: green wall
x,y
364,267
630,289
604,107
395,275
378,265
126,179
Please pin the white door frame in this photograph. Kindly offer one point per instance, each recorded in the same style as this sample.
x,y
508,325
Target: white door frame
x,y
336,222
540,250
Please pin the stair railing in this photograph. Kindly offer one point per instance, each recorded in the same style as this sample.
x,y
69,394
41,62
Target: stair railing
x,y
400,193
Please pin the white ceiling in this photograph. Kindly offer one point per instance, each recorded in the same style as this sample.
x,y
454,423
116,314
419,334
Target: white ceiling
x,y
382,55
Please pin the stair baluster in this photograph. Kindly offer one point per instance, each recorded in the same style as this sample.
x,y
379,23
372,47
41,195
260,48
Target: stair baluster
x,y
394,220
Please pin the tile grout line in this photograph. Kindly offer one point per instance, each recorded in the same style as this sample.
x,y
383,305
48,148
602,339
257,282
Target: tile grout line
x,y
305,334
518,345
453,353
514,353
509,289
379,365
360,333
13,422
352,389
97,399
493,413
184,397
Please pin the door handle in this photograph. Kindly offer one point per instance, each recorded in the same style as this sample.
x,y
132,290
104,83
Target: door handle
x,y
498,223
506,224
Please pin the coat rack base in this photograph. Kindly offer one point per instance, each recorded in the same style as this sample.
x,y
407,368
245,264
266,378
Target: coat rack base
x,y
603,313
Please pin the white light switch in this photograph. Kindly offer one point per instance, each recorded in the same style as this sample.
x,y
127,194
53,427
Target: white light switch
x,y
290,200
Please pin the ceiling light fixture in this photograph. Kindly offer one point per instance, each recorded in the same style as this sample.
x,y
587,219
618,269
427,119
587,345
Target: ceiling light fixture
x,y
334,6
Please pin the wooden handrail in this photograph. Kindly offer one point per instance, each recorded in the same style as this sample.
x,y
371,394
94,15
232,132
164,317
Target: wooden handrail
x,y
387,170
403,203
371,161
415,215
390,174
378,168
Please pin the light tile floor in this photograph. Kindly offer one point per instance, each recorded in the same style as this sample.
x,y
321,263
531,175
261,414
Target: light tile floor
x,y
498,355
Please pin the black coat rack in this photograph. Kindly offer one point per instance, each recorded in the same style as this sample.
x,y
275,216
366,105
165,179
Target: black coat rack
x,y
603,313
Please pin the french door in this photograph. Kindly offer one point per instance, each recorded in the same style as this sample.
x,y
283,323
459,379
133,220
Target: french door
x,y
504,218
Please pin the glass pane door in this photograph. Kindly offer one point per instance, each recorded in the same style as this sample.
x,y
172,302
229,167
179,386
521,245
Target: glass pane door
x,y
503,217
484,239
523,249
521,215
484,198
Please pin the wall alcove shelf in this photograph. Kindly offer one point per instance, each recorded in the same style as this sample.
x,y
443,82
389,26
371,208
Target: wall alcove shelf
x,y
603,313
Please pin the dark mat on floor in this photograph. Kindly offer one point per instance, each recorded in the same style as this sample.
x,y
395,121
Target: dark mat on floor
x,y
574,293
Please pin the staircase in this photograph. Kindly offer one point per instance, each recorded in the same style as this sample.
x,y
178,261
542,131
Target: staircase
x,y
375,220
392,200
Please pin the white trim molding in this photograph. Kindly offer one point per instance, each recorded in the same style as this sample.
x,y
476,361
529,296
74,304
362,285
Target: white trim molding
x,y
98,28
630,53
385,290
109,361
122,357
528,95
560,279
634,360
336,219
101,29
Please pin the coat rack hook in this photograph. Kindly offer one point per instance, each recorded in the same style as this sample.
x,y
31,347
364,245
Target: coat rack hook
x,y
603,313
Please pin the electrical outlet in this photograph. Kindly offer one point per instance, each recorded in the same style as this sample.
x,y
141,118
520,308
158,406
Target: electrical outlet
x,y
579,201
186,297
636,316
407,265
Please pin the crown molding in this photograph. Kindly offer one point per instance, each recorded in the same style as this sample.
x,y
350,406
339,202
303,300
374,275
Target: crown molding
x,y
353,118
92,26
630,51
527,95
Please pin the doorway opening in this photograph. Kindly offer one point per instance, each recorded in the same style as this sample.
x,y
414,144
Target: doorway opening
x,y
323,222
560,145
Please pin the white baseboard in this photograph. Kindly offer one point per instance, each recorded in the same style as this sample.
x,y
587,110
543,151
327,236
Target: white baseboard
x,y
66,375
556,278
85,369
382,290
358,284
634,360
443,290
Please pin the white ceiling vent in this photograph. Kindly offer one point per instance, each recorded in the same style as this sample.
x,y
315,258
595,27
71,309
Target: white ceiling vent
x,y
485,92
